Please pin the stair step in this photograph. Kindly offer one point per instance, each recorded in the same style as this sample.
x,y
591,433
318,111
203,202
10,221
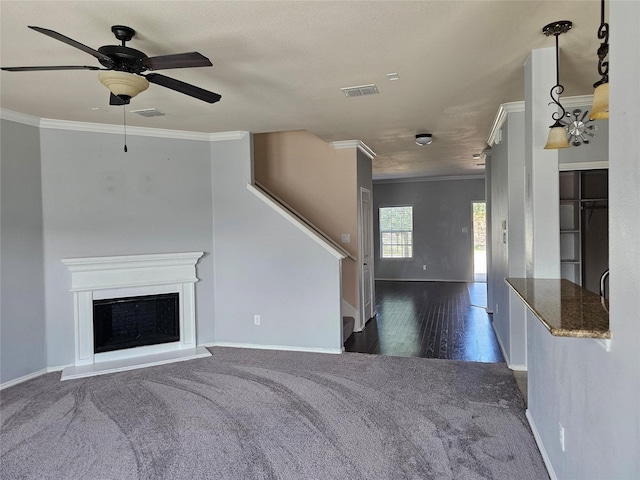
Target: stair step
x,y
348,324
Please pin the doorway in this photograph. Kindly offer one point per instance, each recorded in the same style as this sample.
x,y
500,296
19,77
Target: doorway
x,y
479,225
367,292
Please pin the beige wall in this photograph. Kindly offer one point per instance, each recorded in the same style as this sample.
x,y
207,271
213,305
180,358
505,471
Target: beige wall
x,y
320,183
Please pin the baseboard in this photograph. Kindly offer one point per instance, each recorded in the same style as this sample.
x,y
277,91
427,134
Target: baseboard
x,y
334,351
285,348
57,369
422,280
543,451
518,367
512,366
24,378
504,352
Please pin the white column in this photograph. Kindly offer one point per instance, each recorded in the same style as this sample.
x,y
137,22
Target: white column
x,y
542,200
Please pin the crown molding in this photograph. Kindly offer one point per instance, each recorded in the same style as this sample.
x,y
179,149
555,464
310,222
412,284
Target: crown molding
x,y
222,136
513,107
577,101
53,124
501,116
354,144
19,117
428,179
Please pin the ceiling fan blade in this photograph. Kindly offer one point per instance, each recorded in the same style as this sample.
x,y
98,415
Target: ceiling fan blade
x,y
182,87
116,100
178,60
73,43
59,67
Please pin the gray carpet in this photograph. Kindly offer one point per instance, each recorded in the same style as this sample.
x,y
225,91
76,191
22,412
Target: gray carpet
x,y
251,414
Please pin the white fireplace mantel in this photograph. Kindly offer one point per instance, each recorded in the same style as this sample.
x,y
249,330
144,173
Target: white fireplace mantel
x,y
99,278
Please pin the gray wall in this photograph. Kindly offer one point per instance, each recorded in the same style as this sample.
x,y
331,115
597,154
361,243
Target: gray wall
x,y
72,193
100,201
264,265
573,381
507,199
22,320
488,185
441,211
508,249
595,151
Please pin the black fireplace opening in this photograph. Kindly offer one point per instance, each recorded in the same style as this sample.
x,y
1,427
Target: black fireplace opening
x,y
129,322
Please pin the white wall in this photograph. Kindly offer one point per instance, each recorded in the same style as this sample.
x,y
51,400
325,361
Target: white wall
x,y
593,393
441,213
22,321
100,201
264,265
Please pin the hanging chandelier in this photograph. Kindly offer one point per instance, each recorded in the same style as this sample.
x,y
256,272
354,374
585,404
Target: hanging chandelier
x,y
557,133
600,109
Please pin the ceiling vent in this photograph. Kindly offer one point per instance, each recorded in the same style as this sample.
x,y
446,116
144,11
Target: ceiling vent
x,y
149,112
360,90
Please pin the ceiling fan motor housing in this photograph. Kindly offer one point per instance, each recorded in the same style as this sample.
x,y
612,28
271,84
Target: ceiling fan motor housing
x,y
125,59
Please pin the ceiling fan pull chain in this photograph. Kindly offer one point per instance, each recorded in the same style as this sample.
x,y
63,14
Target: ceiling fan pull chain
x,y
124,117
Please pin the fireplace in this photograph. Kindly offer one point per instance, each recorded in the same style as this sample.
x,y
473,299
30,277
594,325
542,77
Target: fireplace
x,y
133,311
131,322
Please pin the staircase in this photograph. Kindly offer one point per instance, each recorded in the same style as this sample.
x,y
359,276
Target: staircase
x,y
348,323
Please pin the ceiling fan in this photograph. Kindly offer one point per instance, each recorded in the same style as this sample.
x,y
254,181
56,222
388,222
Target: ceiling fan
x,y
124,66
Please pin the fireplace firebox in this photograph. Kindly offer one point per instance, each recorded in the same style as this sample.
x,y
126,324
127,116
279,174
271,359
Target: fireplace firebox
x,y
129,322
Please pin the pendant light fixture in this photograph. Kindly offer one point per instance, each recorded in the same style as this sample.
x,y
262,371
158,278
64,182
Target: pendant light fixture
x,y
600,109
557,134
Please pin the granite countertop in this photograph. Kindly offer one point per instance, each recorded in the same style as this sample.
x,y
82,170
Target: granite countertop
x,y
566,309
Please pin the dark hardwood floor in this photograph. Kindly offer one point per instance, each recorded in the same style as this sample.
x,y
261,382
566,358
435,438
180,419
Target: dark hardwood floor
x,y
444,320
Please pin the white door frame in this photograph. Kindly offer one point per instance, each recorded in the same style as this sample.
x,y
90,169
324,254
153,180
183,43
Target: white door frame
x,y
366,281
472,236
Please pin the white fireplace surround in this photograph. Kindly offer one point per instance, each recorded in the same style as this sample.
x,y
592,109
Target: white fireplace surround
x,y
100,278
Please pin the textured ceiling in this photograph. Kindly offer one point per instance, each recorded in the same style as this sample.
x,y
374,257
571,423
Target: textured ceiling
x,y
280,66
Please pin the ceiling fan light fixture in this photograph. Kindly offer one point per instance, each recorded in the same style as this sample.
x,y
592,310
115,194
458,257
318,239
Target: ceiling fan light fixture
x,y
122,83
423,139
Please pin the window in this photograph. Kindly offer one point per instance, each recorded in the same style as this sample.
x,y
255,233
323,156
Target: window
x,y
396,232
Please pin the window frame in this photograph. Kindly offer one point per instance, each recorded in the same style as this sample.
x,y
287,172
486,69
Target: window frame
x,y
381,231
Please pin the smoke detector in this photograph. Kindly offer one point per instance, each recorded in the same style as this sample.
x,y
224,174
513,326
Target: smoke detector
x,y
423,139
